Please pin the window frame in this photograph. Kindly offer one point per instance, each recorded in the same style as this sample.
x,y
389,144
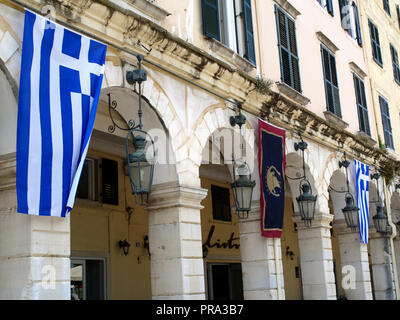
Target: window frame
x,y
386,7
375,43
395,63
288,50
218,189
336,108
359,89
386,123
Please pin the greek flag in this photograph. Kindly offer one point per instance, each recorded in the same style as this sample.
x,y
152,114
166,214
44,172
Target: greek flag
x,y
362,186
60,83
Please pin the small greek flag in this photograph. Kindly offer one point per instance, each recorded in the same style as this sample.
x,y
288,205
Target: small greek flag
x,y
361,171
60,83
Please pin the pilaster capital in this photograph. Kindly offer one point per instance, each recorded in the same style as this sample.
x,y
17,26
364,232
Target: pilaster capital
x,y
342,228
321,220
8,171
171,194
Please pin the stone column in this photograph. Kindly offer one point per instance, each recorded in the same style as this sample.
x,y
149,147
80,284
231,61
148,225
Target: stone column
x,y
381,264
34,251
316,259
355,264
261,260
177,269
396,244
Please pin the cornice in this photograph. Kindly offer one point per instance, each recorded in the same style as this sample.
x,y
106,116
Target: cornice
x,y
125,28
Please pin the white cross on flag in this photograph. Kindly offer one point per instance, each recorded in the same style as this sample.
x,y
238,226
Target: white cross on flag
x,y
61,76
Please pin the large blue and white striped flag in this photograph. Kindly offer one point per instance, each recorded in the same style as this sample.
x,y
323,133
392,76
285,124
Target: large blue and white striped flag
x,y
361,171
60,83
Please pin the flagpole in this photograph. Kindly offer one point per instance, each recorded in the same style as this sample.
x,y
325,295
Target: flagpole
x,y
392,236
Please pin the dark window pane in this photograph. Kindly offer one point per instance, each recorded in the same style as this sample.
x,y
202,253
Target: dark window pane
x,y
221,203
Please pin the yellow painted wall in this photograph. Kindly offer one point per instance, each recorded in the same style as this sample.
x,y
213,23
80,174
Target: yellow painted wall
x,y
223,229
382,78
289,239
336,259
96,229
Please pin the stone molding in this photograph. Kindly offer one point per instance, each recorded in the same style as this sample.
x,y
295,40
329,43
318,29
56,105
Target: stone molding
x,y
320,221
288,7
230,56
356,69
366,138
326,42
149,8
334,119
171,194
292,93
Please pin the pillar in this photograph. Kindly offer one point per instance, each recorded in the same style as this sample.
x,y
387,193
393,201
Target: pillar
x,y
316,259
355,264
177,269
34,250
261,260
381,264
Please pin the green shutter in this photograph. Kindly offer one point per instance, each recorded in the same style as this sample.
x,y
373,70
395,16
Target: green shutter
x,y
249,34
109,169
210,14
331,82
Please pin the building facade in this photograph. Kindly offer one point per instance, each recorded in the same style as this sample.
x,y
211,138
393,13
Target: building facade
x,y
301,65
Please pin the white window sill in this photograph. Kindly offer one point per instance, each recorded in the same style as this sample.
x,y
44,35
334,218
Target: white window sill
x,y
230,56
366,138
145,8
333,118
292,94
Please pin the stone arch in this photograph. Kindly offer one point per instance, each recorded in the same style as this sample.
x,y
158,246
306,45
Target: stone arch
x,y
214,125
158,99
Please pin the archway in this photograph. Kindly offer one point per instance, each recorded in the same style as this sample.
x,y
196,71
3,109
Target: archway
x,y
106,215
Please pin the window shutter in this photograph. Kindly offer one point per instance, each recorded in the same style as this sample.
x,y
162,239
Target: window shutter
x,y
387,127
398,14
331,82
342,4
395,62
210,14
249,34
286,30
329,5
109,181
362,108
358,30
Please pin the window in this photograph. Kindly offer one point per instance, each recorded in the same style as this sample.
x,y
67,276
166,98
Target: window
x,y
395,61
350,19
109,173
328,5
221,203
387,127
398,14
376,47
289,60
331,81
230,22
87,183
362,108
88,279
386,6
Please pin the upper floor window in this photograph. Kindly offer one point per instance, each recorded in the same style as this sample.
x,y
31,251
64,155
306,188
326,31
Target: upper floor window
x,y
386,6
362,108
387,127
395,62
328,5
350,19
221,203
376,46
108,175
398,14
230,22
331,82
287,43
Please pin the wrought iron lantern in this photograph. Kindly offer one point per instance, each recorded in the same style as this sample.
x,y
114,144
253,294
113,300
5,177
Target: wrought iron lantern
x,y
242,185
306,201
380,219
350,211
140,164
